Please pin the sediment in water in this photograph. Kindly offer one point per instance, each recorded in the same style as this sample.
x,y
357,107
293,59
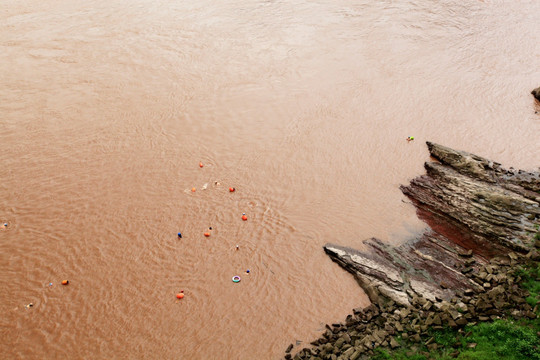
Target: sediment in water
x,y
482,221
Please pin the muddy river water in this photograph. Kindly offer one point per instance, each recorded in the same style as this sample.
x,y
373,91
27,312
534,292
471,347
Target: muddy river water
x,y
108,107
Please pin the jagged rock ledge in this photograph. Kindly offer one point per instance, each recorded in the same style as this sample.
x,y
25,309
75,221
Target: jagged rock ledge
x,y
482,219
476,210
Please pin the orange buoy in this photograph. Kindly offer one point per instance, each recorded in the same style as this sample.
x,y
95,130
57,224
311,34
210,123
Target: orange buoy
x,y
231,189
244,217
207,234
201,164
193,189
65,282
180,296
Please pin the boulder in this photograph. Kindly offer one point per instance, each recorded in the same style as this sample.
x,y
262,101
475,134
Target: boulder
x,y
356,354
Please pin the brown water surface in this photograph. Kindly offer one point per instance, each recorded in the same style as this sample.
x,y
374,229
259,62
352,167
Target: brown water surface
x,y
107,108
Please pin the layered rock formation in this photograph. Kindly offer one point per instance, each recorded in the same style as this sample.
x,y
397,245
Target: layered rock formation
x,y
482,220
387,324
476,210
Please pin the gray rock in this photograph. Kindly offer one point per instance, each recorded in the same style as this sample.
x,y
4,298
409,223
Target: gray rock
x,y
389,329
347,353
533,255
405,312
356,354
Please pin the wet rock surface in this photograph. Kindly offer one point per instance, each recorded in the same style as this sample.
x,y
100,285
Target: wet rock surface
x,y
536,93
463,270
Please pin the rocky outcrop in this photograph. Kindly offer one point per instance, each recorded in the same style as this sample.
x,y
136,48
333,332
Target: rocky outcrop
x,y
430,266
498,295
476,210
482,219
478,196
536,93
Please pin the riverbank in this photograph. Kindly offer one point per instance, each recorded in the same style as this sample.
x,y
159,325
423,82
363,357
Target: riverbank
x,y
473,273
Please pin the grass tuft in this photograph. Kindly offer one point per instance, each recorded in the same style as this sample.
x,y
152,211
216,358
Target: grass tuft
x,y
503,339
530,276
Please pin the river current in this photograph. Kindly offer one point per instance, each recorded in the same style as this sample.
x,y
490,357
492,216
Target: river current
x,y
108,107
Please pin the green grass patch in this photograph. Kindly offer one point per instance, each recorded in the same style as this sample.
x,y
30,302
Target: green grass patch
x,y
530,280
502,339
